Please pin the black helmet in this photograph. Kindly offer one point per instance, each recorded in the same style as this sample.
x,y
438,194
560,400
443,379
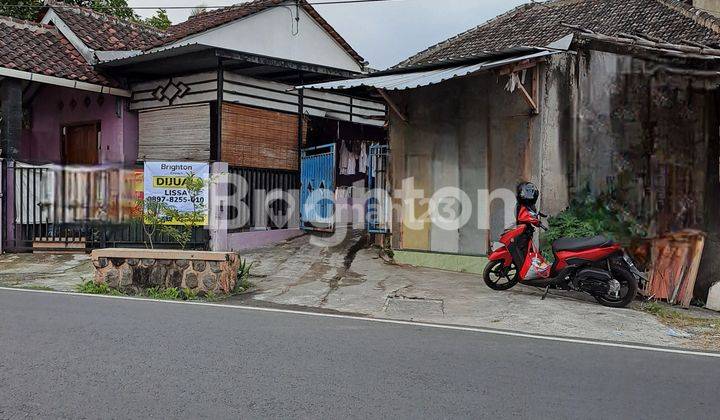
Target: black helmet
x,y
527,194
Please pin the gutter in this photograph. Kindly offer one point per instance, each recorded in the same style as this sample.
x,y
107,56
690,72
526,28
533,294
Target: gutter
x,y
59,81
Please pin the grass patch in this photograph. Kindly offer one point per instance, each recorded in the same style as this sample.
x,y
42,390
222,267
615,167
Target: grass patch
x,y
91,288
171,293
36,287
674,318
705,332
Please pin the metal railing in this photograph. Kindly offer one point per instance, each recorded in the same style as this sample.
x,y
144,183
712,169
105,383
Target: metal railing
x,y
55,208
252,206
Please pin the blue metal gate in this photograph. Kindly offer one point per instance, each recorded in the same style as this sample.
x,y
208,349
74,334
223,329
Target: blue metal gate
x,y
379,204
317,188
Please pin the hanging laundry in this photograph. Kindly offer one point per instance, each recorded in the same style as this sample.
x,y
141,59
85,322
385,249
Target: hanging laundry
x,y
362,164
344,153
351,162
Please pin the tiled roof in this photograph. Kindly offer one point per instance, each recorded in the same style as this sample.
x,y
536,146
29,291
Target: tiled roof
x,y
103,32
214,18
41,49
539,24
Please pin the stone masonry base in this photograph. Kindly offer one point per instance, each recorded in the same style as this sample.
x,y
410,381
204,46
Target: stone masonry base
x,y
132,270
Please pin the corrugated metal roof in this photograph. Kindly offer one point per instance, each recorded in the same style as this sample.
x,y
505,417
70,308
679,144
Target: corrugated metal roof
x,y
418,79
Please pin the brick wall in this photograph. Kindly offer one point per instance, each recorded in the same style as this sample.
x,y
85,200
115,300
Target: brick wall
x,y
259,138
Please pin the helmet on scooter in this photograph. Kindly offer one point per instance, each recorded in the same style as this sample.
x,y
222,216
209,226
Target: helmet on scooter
x,y
527,194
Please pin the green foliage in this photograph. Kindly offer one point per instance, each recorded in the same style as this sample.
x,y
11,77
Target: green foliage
x,y
210,296
151,215
171,293
155,214
30,9
159,20
188,294
90,287
590,217
188,220
36,287
21,9
243,277
161,293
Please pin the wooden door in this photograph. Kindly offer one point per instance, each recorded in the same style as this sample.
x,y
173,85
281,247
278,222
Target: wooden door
x,y
80,144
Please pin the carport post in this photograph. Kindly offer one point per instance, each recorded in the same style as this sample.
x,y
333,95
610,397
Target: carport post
x,y
301,128
10,132
11,126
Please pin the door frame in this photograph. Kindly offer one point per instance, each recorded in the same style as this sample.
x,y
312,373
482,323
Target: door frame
x,y
63,138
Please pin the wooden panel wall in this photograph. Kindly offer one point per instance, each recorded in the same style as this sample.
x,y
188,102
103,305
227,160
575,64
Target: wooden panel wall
x,y
175,133
258,138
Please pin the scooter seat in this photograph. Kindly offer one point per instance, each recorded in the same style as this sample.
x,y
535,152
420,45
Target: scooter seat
x,y
580,244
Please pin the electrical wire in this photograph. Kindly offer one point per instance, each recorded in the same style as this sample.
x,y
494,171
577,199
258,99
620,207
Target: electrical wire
x,y
311,3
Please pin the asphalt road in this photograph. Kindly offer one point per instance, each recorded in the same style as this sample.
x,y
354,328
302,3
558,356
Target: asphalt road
x,y
90,357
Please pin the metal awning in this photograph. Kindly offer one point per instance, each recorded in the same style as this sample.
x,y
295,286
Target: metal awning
x,y
402,81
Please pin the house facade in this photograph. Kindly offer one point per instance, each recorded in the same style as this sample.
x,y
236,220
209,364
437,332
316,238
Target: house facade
x,y
600,97
216,88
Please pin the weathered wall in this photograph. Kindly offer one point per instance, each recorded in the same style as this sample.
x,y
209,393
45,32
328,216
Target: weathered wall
x,y
444,119
54,107
645,141
473,134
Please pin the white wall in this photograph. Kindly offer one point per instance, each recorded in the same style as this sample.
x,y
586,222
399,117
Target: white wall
x,y
270,33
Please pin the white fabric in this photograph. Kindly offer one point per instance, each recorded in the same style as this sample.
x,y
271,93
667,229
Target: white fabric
x,y
343,158
362,165
351,162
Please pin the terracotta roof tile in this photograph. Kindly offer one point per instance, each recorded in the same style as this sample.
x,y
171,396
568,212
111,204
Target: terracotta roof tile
x,y
41,49
103,32
539,24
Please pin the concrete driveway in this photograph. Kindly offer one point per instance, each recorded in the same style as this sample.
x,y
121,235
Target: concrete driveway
x,y
45,271
310,273
348,279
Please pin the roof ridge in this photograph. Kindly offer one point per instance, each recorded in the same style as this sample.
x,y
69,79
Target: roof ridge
x,y
100,15
247,4
699,16
506,15
26,24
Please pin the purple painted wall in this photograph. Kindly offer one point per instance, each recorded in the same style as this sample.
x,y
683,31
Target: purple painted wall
x,y
52,108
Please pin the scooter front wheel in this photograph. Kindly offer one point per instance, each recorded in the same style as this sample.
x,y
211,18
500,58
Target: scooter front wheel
x,y
499,277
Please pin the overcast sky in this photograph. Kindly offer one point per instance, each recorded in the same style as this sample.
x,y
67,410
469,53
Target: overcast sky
x,y
385,32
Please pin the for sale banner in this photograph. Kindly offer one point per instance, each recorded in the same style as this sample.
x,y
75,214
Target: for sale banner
x,y
165,182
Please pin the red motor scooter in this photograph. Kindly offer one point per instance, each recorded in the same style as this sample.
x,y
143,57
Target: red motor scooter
x,y
597,265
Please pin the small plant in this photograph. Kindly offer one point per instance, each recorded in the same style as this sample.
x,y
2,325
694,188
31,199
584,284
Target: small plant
x,y
188,294
186,221
243,277
158,217
171,293
36,287
587,217
210,296
152,215
92,288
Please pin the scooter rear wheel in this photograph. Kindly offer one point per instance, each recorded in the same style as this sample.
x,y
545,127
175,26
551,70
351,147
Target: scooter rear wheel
x,y
628,289
499,277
